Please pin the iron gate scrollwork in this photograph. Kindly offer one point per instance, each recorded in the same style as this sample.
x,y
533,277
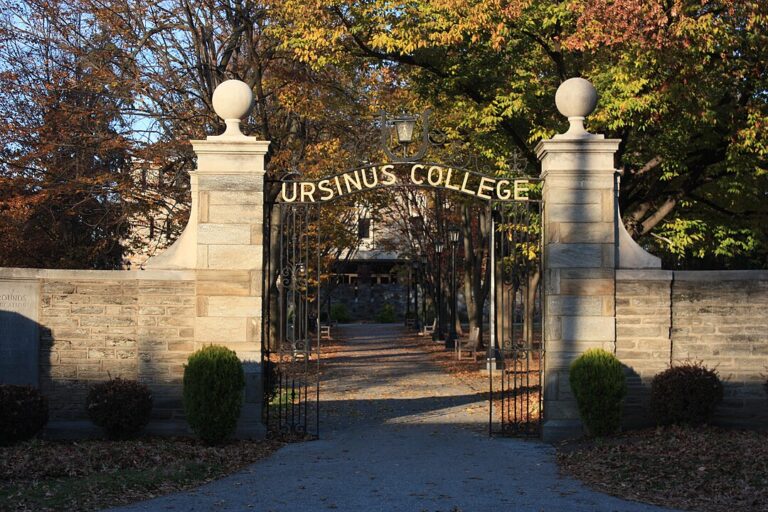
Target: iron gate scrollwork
x,y
292,340
516,366
293,276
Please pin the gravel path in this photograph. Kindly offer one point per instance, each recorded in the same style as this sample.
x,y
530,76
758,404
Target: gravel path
x,y
397,434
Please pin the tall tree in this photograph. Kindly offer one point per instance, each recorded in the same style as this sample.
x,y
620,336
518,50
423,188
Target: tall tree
x,y
682,82
63,166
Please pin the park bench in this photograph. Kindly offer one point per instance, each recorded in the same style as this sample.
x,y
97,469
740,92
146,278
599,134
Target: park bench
x,y
298,349
429,329
471,345
325,332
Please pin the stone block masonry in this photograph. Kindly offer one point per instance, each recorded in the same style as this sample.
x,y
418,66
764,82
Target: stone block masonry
x,y
97,325
206,288
717,318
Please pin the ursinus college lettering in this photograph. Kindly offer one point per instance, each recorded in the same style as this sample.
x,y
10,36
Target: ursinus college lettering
x,y
388,175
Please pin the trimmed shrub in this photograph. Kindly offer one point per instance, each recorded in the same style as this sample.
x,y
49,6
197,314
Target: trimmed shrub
x,y
340,314
121,407
23,413
213,392
685,394
387,314
598,382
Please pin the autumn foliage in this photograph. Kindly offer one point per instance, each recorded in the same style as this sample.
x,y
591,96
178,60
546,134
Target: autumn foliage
x,y
93,89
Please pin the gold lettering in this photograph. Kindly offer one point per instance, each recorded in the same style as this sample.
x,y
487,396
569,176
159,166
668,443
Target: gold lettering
x,y
503,194
521,190
430,174
338,185
448,180
352,178
391,179
483,187
285,193
464,185
413,174
328,191
307,191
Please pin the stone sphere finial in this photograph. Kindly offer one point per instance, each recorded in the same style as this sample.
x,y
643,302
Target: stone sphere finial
x,y
232,100
576,98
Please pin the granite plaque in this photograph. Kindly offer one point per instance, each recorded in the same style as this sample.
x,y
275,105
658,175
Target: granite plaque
x,y
19,336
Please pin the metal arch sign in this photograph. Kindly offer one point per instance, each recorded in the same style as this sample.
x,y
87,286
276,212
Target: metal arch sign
x,y
407,174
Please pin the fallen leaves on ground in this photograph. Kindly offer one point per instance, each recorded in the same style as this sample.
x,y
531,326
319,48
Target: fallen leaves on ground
x,y
470,372
88,475
522,410
707,469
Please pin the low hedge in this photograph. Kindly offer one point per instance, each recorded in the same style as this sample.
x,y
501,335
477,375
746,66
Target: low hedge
x,y
121,407
23,413
686,394
599,385
213,392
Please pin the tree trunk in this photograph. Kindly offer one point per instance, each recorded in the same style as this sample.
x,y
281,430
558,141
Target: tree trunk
x,y
531,289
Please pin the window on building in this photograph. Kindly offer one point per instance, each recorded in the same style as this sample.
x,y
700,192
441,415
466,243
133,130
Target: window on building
x,y
364,228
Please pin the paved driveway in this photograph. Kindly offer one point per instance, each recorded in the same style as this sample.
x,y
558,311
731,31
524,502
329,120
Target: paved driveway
x,y
397,434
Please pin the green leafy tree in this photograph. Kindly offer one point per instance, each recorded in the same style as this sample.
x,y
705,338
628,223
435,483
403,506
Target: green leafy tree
x,y
682,83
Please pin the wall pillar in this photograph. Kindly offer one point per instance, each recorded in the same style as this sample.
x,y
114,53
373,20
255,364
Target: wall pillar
x,y
223,242
580,246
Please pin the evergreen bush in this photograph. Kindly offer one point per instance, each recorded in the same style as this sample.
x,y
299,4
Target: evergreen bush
x,y
685,394
121,407
599,385
23,413
340,314
387,314
213,392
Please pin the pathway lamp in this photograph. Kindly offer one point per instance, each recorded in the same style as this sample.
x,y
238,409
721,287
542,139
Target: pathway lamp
x,y
404,128
438,334
423,260
453,238
408,295
415,274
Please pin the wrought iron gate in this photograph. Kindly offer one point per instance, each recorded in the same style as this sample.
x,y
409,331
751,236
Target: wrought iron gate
x,y
516,351
292,340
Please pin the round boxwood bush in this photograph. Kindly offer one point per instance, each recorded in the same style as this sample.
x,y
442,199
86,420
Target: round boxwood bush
x,y
23,413
685,394
120,407
599,385
213,392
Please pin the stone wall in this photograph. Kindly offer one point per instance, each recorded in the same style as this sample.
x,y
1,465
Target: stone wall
x,y
99,325
96,325
364,302
717,318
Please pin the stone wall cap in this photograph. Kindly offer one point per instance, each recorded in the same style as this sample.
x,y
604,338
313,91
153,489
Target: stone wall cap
x,y
691,275
122,275
586,145
644,275
247,145
721,275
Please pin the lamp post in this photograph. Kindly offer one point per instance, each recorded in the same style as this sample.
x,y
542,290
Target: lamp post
x,y
408,296
453,238
415,273
423,259
438,334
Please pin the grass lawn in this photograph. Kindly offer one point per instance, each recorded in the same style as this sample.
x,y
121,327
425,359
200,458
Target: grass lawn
x,y
89,475
706,469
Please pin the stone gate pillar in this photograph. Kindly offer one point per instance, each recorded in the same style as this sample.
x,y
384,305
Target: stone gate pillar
x,y
223,242
580,246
